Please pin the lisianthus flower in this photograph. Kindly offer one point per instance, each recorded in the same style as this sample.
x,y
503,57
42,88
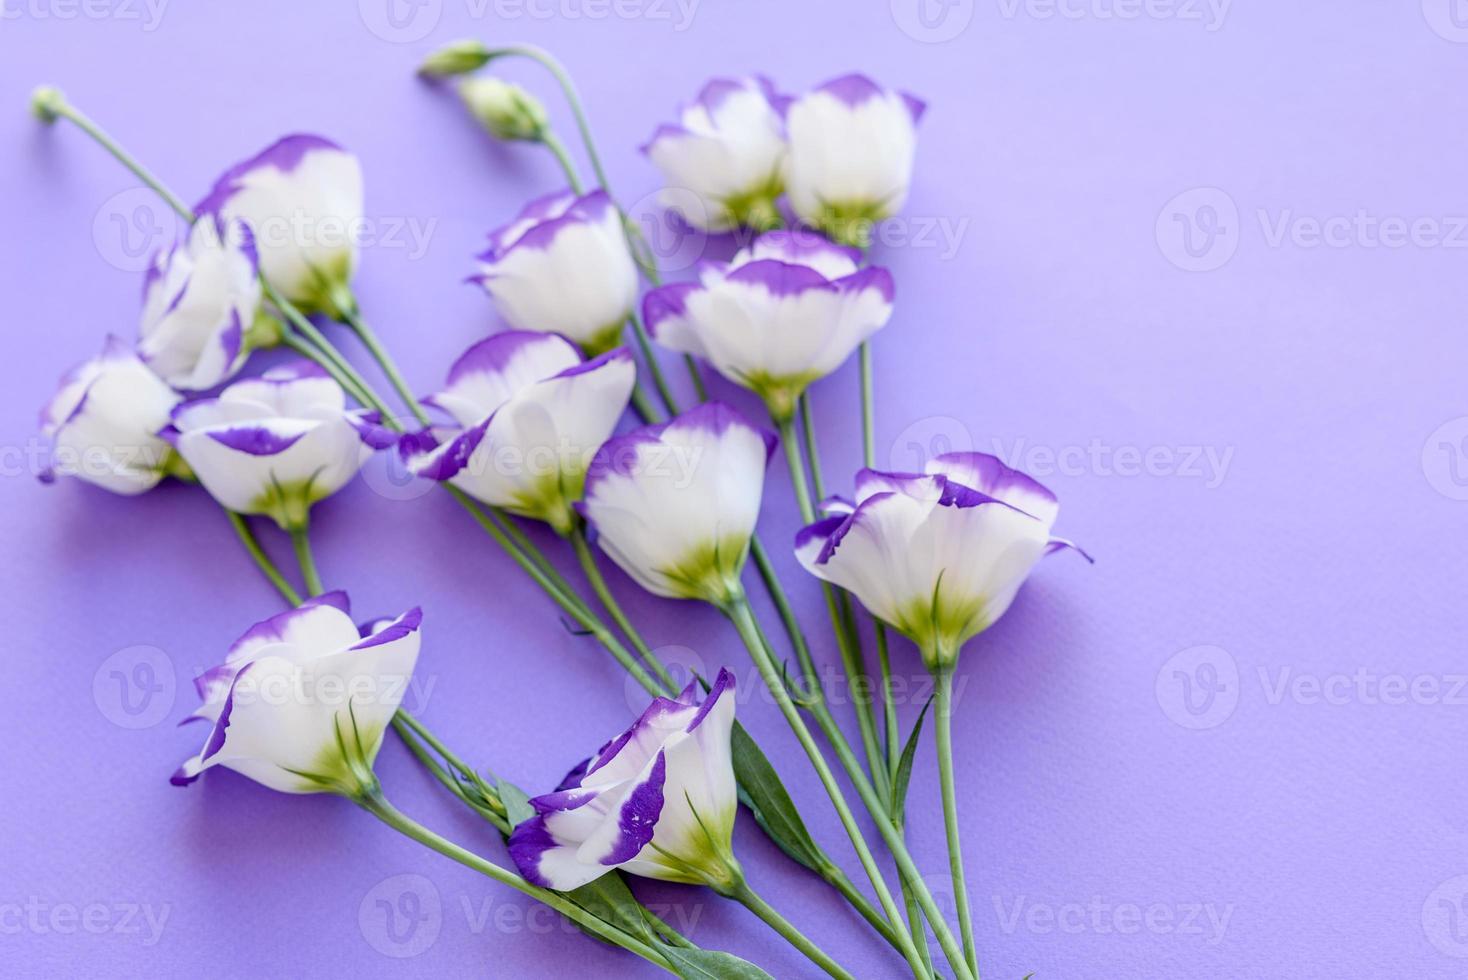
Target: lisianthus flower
x,y
787,311
563,266
658,800
104,423
200,302
938,555
276,444
728,149
302,198
675,504
302,699
530,416
851,149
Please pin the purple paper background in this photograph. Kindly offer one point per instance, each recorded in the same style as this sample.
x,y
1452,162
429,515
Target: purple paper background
x,y
1114,814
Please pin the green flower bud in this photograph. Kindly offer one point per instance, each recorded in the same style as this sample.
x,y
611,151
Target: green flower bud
x,y
456,58
507,111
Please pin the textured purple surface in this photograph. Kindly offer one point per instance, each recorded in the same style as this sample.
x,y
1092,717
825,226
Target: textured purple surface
x,y
1081,324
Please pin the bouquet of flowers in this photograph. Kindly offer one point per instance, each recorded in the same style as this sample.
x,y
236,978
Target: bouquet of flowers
x,y
529,427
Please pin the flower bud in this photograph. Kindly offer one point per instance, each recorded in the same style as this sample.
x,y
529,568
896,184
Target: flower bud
x,y
456,58
506,110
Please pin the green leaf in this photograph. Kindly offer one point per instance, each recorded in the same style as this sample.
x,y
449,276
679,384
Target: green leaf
x,y
517,804
761,790
711,964
904,767
609,899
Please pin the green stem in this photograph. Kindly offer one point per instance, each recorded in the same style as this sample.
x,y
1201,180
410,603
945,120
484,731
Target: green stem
x,y
380,808
842,623
893,736
868,422
301,541
644,407
747,897
943,708
352,317
252,545
609,602
881,816
553,143
425,757
743,618
811,454
56,105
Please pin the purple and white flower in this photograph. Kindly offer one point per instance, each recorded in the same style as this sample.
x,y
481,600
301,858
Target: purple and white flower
x,y
302,198
851,149
938,555
675,504
787,311
104,423
563,266
301,701
276,444
531,414
200,301
659,801
728,150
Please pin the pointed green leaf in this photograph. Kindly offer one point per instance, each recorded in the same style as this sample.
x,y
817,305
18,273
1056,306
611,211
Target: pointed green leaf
x,y
711,964
904,767
517,805
609,899
762,792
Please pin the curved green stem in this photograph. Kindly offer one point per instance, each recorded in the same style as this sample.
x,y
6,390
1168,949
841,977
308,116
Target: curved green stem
x,y
943,725
352,317
743,618
614,608
868,421
553,143
747,897
380,808
301,542
252,545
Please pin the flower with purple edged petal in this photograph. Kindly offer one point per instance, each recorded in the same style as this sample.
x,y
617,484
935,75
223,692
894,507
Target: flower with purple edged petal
x,y
505,110
301,701
276,444
658,801
728,149
787,311
851,149
675,504
530,413
563,266
302,198
938,555
201,299
104,423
